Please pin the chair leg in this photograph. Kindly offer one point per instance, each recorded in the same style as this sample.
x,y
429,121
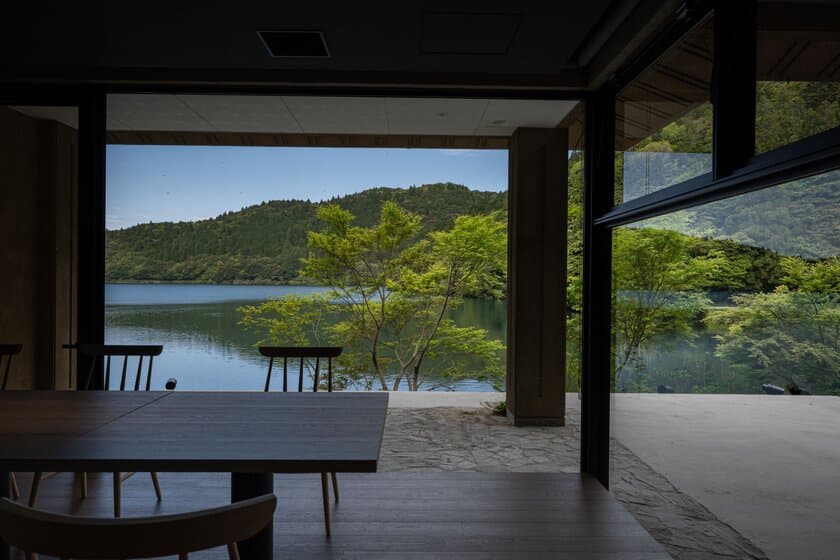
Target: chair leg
x,y
117,494
15,488
325,492
156,484
36,483
335,485
233,552
84,489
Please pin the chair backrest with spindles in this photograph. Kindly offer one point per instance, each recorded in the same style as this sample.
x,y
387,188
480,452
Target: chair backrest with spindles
x,y
7,352
71,536
109,351
301,353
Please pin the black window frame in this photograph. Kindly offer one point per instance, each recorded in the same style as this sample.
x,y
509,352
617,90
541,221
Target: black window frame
x,y
736,170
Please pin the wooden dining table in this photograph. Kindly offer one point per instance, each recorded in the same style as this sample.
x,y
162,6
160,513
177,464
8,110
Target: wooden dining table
x,y
251,435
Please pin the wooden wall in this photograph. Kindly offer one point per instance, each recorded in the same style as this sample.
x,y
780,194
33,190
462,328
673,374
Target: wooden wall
x,y
37,265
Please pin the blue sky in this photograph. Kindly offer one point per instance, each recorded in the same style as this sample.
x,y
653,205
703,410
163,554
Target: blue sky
x,y
175,183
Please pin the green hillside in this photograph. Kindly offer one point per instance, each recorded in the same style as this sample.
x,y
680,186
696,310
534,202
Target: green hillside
x,y
263,244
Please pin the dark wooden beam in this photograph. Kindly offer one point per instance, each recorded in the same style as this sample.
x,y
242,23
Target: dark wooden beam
x,y
180,138
630,40
563,82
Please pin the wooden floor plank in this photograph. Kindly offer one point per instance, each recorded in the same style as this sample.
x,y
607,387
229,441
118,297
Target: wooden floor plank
x,y
494,516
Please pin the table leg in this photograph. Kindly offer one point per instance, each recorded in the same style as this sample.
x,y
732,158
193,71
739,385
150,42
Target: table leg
x,y
251,485
5,492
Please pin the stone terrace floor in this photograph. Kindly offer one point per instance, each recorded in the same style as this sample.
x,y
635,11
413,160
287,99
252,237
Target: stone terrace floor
x,y
455,432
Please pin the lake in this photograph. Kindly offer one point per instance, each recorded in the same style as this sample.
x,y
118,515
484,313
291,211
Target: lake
x,y
205,348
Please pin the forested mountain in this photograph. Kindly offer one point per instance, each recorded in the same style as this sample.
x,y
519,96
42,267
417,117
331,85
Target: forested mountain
x,y
264,243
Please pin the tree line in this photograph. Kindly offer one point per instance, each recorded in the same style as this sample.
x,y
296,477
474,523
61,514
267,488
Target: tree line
x,y
264,244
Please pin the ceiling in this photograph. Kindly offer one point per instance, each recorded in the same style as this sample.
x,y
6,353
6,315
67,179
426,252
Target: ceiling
x,y
466,45
330,115
447,41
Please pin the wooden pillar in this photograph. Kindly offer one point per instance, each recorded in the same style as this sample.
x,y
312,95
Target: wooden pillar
x,y
537,214
38,169
56,242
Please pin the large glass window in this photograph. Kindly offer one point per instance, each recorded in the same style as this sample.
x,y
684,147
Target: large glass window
x,y
798,73
726,325
664,119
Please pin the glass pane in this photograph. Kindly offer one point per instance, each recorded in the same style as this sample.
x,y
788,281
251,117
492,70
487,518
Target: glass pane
x,y
726,322
574,289
664,120
798,73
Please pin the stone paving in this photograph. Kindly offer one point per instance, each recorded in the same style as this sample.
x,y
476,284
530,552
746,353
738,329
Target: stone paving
x,y
472,439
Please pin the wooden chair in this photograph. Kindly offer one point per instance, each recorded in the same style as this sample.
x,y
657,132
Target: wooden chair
x,y
65,536
7,352
106,352
302,353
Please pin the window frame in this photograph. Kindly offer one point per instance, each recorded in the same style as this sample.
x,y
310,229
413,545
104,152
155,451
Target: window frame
x,y
736,170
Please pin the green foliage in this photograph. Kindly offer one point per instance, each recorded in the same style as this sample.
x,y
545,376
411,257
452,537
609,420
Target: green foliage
x,y
305,319
659,289
772,253
500,408
790,111
264,244
574,267
392,286
790,334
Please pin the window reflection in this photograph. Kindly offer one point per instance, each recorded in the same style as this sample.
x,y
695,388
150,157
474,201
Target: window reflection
x,y
664,119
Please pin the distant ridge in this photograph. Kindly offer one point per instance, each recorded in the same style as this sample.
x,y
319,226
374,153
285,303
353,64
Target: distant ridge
x,y
263,244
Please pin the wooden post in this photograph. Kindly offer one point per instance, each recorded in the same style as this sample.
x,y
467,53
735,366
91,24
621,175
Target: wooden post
x,y
537,214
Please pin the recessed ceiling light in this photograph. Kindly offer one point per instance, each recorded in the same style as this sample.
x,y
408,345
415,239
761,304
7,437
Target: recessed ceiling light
x,y
295,44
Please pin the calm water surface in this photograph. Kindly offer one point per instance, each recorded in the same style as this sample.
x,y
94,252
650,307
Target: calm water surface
x,y
205,348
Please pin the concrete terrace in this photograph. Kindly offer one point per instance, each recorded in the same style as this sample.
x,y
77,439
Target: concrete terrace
x,y
707,475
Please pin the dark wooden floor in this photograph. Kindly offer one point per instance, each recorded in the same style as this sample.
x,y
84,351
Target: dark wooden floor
x,y
405,515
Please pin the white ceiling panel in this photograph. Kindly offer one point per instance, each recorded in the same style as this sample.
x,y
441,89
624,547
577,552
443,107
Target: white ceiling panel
x,y
434,116
235,113
153,112
331,115
339,115
503,116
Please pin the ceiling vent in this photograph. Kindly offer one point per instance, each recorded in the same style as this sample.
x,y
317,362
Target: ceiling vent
x,y
297,44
